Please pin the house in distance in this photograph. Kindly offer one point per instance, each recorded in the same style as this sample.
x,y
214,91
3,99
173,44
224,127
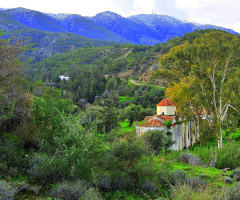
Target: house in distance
x,y
184,133
62,77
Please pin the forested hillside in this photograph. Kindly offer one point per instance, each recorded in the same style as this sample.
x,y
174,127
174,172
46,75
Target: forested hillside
x,y
96,70
76,138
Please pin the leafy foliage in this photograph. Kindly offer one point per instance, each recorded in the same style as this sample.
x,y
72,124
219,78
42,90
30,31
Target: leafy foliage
x,y
12,98
158,140
205,69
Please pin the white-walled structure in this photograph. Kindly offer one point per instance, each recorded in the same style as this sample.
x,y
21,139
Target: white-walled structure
x,y
166,107
62,77
184,134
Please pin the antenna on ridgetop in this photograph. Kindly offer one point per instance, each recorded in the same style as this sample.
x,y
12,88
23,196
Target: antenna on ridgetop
x,y
154,11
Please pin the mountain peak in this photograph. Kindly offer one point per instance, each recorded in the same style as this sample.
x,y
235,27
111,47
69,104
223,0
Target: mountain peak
x,y
59,16
146,29
108,14
22,10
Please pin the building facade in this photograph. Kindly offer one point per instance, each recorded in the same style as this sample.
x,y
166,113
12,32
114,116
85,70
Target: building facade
x,y
184,134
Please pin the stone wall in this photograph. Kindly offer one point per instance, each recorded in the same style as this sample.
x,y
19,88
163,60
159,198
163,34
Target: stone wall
x,y
184,134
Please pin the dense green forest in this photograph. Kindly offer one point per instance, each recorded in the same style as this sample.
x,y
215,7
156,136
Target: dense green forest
x,y
76,138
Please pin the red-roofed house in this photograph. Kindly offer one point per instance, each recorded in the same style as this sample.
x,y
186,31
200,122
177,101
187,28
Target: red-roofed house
x,y
166,107
184,134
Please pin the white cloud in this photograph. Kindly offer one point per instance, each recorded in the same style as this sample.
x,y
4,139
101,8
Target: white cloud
x,y
82,7
218,12
142,6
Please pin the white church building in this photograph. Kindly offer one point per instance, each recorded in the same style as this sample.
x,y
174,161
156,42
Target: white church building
x,y
184,134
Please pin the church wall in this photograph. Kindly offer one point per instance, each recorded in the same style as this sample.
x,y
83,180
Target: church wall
x,y
177,137
167,110
161,110
141,130
183,134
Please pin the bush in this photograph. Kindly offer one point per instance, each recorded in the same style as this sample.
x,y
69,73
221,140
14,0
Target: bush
x,y
145,169
91,194
69,190
195,183
13,159
71,154
178,177
47,169
104,181
122,182
114,181
228,156
164,178
7,191
157,140
168,178
236,174
127,152
148,186
185,192
234,192
190,159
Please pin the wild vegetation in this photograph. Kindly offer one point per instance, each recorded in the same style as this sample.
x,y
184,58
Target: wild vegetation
x,y
76,139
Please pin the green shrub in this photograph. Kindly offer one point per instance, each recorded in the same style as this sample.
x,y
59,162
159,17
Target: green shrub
x,y
122,181
164,178
234,192
191,159
195,183
157,140
128,151
178,177
168,178
69,190
7,191
13,158
148,186
91,194
185,192
116,180
145,169
228,156
236,174
70,154
236,135
49,169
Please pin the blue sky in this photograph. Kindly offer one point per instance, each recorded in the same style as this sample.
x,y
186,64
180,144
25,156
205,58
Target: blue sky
x,y
224,13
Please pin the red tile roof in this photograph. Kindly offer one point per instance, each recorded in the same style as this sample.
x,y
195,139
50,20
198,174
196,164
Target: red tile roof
x,y
148,118
165,117
166,102
202,112
155,121
160,117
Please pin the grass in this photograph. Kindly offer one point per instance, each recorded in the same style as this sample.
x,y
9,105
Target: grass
x,y
123,98
211,175
125,126
141,83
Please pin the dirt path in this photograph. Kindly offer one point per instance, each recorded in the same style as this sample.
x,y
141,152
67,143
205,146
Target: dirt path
x,y
135,83
124,56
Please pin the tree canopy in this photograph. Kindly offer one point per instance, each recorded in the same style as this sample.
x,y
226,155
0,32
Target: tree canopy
x,y
203,76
